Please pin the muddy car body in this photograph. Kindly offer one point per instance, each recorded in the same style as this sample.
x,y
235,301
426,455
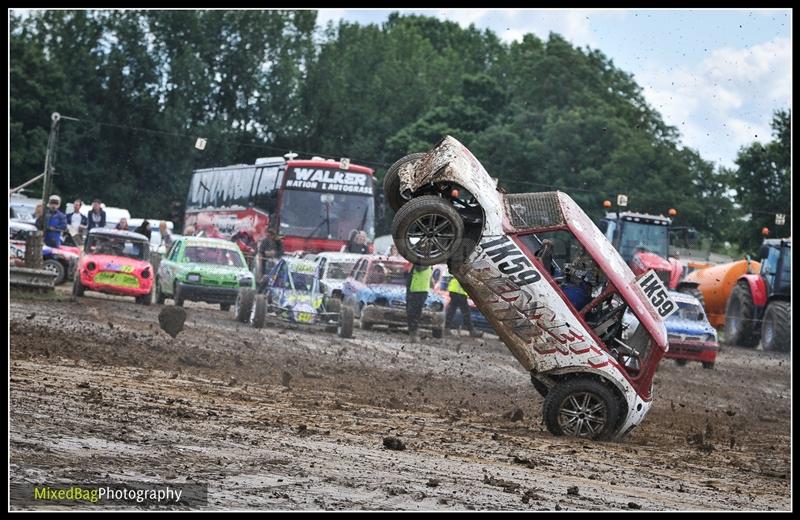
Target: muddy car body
x,y
59,260
334,268
375,294
115,262
691,337
594,383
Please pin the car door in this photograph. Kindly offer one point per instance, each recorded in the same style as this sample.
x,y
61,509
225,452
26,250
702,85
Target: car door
x,y
166,271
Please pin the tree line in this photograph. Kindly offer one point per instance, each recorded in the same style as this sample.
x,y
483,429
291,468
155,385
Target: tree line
x,y
539,114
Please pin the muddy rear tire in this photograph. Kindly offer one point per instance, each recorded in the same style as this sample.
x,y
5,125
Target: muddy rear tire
x,y
145,299
775,328
438,332
160,298
346,318
77,287
259,313
391,182
581,407
740,329
708,365
427,230
177,297
244,304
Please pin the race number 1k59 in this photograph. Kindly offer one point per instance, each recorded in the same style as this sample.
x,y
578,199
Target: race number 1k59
x,y
655,291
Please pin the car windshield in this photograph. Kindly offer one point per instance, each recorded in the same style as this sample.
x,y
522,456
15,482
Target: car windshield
x,y
387,273
117,246
302,281
650,238
305,214
213,255
688,311
339,270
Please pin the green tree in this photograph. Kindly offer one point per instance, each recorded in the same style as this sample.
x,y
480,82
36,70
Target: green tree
x,y
762,180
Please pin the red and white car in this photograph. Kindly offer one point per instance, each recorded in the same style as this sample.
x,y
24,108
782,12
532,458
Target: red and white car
x,y
115,262
552,286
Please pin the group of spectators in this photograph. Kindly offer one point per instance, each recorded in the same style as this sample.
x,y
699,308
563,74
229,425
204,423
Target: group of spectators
x,y
55,223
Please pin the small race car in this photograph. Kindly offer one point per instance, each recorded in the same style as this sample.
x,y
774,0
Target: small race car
x,y
691,336
59,260
553,287
115,262
375,294
200,269
293,291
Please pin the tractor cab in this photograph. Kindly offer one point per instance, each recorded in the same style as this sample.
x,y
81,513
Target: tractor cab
x,y
776,265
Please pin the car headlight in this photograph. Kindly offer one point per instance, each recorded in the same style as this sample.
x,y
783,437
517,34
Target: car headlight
x,y
192,277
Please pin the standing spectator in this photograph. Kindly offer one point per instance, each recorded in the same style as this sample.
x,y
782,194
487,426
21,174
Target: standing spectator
x,y
77,223
97,217
359,244
56,222
166,237
122,225
270,249
37,215
417,287
458,301
143,229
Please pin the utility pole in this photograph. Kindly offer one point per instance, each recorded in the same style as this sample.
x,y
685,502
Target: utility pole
x,y
33,244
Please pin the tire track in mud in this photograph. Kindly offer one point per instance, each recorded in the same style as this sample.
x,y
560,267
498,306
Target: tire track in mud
x,y
96,391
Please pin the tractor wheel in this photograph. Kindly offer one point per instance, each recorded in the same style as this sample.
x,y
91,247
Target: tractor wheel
x,y
581,408
775,327
391,182
54,266
427,230
740,329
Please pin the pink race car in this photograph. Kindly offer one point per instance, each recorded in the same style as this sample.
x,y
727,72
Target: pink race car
x,y
115,262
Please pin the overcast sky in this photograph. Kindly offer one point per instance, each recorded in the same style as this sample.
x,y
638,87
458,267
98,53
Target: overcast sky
x,y
716,75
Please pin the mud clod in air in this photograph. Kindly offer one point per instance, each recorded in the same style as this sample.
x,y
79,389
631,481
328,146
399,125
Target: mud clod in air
x,y
171,320
572,490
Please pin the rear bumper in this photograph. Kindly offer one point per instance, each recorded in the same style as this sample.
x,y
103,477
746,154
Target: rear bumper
x,y
208,294
392,316
703,351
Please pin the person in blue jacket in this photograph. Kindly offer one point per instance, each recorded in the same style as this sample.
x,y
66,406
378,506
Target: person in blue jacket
x,y
55,222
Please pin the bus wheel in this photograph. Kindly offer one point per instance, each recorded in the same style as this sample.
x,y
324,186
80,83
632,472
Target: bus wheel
x,y
427,230
391,182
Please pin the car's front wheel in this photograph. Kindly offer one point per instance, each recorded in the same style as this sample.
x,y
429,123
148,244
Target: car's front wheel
x,y
77,287
259,314
427,230
177,295
160,298
244,304
346,319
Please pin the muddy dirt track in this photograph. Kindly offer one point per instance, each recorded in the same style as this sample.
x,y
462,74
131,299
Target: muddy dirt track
x,y
286,418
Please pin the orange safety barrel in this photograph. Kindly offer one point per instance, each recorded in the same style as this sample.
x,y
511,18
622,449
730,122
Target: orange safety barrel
x,y
717,283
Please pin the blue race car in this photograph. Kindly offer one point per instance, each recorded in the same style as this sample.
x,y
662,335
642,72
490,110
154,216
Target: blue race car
x,y
375,293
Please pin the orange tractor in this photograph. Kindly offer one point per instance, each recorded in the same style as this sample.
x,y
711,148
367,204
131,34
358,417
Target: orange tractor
x,y
751,300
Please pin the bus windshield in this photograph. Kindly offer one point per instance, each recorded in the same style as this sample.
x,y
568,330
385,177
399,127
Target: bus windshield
x,y
311,214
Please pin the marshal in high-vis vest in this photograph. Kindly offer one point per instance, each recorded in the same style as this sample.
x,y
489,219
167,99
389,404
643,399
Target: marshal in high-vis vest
x,y
594,373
